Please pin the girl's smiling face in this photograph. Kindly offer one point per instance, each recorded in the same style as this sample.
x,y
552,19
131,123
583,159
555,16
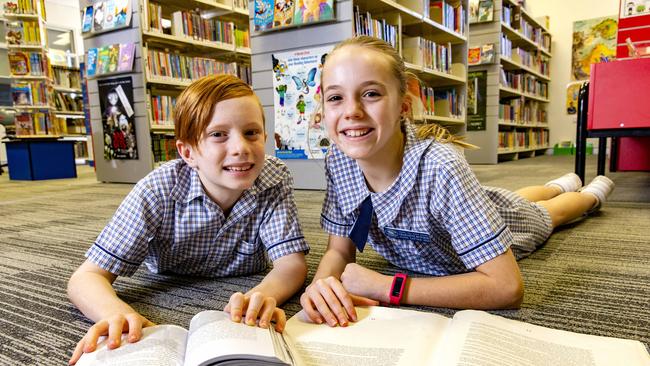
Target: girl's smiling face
x,y
362,104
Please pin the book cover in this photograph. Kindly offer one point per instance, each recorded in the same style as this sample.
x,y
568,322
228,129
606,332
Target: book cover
x,y
24,125
113,56
487,53
21,93
310,11
283,13
87,24
15,33
126,56
98,16
91,62
122,13
18,63
473,11
474,56
485,10
263,17
103,58
109,14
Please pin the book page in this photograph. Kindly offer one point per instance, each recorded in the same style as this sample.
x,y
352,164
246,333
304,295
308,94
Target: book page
x,y
381,336
213,336
479,338
160,345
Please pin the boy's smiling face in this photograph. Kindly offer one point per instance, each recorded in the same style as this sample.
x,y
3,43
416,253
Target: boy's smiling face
x,y
230,153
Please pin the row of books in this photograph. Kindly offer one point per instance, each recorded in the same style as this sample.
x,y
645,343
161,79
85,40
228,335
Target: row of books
x,y
274,14
524,82
421,51
166,65
443,103
481,55
30,93
23,32
521,111
164,147
110,58
66,77
532,60
530,139
24,6
68,102
28,63
106,15
365,24
33,123
450,16
70,126
190,24
511,15
162,108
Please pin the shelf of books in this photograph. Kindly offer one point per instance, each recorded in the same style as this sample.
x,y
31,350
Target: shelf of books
x,y
431,37
161,46
508,92
30,69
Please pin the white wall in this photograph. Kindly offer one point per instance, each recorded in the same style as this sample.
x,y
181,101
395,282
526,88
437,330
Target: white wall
x,y
562,14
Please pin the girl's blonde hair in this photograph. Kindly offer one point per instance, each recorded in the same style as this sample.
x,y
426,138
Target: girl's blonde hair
x,y
405,79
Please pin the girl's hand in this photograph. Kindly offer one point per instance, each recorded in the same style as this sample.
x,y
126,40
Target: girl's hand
x,y
113,327
254,306
326,300
365,282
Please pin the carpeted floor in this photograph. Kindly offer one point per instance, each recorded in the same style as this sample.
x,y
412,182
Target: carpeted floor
x,y
591,277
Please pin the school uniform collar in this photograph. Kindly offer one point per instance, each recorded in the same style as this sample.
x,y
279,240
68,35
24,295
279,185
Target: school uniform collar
x,y
385,204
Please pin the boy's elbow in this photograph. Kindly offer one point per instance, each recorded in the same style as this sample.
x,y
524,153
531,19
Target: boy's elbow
x,y
513,294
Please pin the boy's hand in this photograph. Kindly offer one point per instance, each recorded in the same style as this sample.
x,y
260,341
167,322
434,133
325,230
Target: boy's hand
x,y
327,300
254,306
113,327
365,282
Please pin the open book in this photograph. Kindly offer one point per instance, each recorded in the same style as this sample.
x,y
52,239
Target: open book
x,y
382,336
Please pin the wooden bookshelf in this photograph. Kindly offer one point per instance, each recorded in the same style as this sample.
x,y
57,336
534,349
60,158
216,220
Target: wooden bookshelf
x,y
517,85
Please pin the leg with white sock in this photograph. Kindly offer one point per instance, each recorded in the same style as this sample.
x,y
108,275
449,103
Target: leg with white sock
x,y
567,183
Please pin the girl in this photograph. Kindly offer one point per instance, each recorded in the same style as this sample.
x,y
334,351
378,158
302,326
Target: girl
x,y
413,196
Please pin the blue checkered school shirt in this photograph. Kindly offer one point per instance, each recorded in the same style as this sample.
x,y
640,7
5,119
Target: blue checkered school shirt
x,y
169,223
434,219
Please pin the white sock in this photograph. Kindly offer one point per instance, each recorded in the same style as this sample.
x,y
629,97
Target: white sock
x,y
569,182
600,187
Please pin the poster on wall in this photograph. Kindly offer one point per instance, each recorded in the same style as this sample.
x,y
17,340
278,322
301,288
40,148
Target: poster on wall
x,y
572,91
476,100
278,14
299,133
633,8
594,41
118,118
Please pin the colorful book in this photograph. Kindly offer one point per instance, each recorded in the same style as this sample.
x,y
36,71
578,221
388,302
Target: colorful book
x,y
98,16
21,93
87,24
263,18
126,56
485,10
487,53
24,125
474,56
122,13
283,13
18,63
91,62
113,56
103,60
109,15
15,33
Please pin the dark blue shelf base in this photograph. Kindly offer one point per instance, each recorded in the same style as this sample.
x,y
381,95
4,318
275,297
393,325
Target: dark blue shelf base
x,y
39,159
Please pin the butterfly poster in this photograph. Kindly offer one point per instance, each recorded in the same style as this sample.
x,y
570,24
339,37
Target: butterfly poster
x,y
299,133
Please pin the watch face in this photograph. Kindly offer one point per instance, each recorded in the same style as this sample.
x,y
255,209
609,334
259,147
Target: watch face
x,y
397,287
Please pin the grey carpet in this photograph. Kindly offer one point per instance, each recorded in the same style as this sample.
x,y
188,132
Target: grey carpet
x,y
592,277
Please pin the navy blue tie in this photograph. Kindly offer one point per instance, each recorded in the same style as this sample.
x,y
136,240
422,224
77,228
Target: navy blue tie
x,y
359,232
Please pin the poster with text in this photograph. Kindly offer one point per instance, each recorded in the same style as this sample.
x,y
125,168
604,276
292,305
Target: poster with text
x,y
118,118
634,8
594,41
476,100
299,133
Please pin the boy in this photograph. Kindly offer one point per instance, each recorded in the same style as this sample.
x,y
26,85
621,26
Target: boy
x,y
217,211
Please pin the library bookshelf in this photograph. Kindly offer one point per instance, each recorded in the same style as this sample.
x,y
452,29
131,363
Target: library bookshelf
x,y
176,42
516,95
